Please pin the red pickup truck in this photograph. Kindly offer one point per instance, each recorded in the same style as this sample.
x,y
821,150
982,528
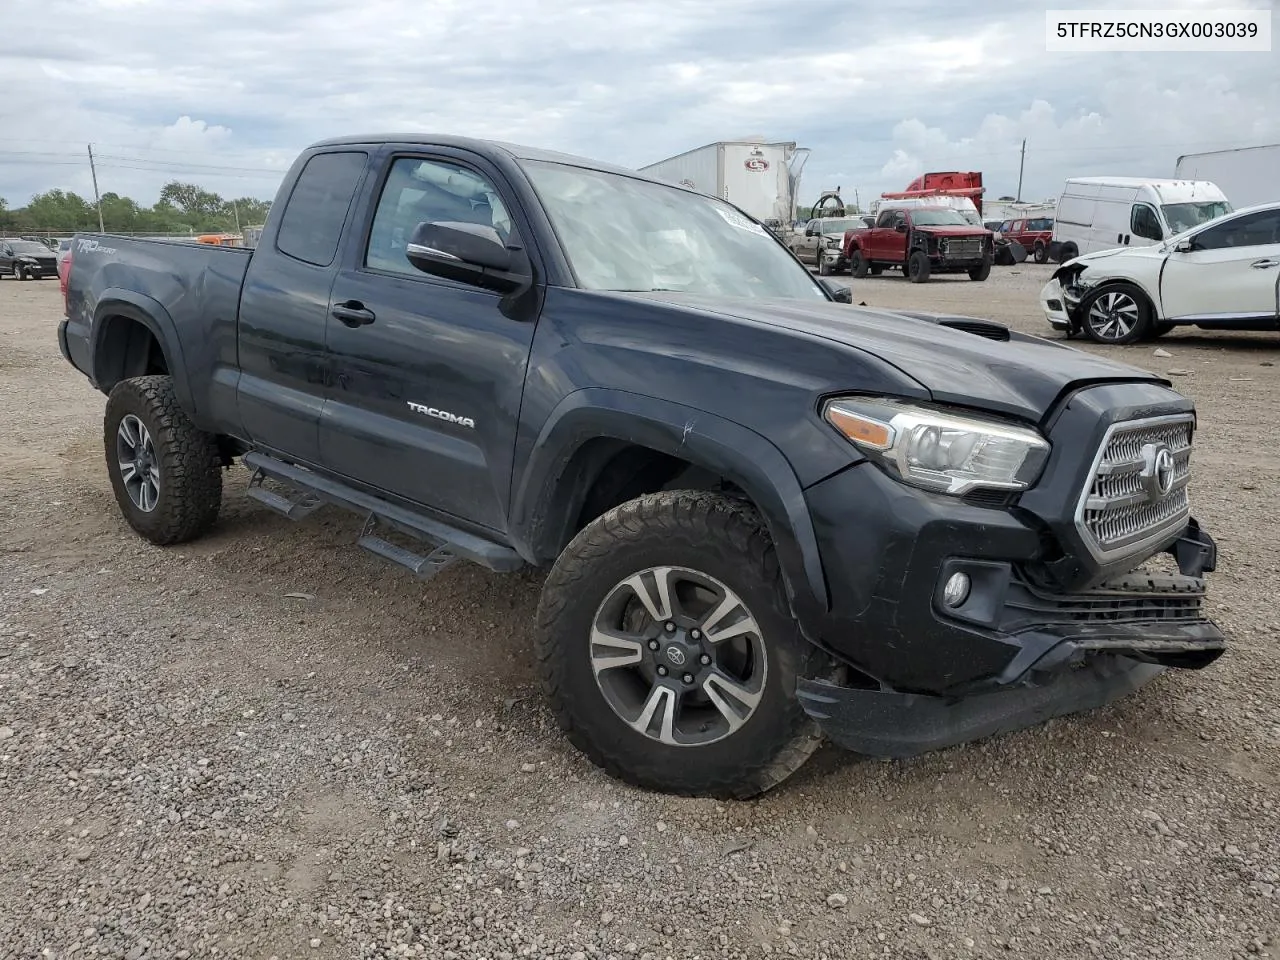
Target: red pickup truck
x,y
922,241
1034,234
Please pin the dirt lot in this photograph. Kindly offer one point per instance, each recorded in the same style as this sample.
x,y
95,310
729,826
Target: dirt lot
x,y
267,744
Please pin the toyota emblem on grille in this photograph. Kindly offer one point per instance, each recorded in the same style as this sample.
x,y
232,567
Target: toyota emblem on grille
x,y
1158,470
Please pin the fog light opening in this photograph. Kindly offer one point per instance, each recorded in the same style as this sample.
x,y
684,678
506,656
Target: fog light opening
x,y
956,590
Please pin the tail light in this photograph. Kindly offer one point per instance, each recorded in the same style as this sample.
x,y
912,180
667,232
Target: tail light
x,y
64,275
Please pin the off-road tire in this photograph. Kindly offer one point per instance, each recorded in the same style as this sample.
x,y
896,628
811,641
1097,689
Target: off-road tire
x,y
918,267
721,537
858,266
190,492
981,272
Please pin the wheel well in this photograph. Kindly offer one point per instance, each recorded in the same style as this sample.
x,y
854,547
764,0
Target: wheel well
x,y
127,348
633,471
605,473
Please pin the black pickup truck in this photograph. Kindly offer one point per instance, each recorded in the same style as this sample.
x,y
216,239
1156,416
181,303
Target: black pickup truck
x,y
768,516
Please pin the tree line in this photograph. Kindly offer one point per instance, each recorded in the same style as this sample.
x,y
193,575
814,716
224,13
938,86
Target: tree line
x,y
182,208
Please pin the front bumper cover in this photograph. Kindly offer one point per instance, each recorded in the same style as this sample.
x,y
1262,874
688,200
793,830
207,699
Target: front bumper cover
x,y
891,725
1075,652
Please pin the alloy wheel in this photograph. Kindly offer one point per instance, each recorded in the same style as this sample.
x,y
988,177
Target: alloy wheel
x,y
139,465
678,656
1112,316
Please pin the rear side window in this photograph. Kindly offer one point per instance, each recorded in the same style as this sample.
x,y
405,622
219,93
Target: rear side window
x,y
317,207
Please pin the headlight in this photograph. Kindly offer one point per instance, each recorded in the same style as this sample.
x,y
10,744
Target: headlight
x,y
945,452
832,241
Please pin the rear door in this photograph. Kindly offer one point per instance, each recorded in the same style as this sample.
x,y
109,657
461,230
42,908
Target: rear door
x,y
1231,274
428,372
284,306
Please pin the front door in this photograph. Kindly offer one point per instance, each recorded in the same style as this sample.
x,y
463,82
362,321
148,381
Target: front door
x,y
1230,273
428,372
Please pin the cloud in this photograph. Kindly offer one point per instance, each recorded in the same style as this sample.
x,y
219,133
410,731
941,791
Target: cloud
x,y
226,93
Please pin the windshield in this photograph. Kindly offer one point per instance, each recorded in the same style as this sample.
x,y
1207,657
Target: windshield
x,y
840,226
28,248
1187,216
623,233
939,218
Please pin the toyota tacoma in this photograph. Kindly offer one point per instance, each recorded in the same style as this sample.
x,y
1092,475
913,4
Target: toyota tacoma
x,y
768,517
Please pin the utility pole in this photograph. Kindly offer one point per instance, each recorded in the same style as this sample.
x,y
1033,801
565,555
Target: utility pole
x,y
1021,163
236,209
96,198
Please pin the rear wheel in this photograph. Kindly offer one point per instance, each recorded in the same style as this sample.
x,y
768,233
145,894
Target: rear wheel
x,y
166,474
1116,314
1041,252
667,650
918,267
858,265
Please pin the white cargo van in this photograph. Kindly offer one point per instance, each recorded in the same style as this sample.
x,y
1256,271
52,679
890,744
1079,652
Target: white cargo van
x,y
1101,213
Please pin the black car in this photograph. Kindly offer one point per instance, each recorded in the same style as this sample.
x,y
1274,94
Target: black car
x,y
27,260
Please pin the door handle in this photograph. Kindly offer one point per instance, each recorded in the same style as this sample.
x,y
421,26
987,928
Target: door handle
x,y
353,313
1264,264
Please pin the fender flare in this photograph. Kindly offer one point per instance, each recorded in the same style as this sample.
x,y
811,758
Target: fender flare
x,y
543,509
119,302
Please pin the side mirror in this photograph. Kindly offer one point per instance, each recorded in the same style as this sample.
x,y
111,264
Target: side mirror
x,y
900,226
838,291
1184,246
467,252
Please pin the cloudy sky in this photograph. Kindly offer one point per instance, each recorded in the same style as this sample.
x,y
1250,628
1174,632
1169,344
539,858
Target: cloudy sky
x,y
224,93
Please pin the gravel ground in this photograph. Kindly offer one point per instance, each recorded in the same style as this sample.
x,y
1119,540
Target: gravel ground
x,y
267,744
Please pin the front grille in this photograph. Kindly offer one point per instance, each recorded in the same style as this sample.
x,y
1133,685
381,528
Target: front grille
x,y
1124,508
960,248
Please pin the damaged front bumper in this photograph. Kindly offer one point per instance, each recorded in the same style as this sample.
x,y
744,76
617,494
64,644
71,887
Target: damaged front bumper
x,y
1076,652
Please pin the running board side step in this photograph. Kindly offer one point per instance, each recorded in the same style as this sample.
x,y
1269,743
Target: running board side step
x,y
446,543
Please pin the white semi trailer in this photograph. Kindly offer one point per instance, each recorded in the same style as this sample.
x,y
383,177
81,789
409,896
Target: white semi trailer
x,y
1247,176
757,176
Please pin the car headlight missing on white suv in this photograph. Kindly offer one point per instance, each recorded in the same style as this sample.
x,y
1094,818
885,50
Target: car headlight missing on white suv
x,y
947,452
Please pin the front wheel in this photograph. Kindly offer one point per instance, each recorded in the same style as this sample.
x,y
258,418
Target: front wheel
x,y
19,272
918,267
667,651
1116,314
858,266
824,268
166,474
980,272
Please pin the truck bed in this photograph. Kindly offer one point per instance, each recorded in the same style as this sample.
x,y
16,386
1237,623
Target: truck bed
x,y
169,284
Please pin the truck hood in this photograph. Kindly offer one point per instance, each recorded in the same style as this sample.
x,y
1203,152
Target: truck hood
x,y
1022,376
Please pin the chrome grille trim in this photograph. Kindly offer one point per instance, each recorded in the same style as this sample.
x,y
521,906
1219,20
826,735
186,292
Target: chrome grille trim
x,y
1115,516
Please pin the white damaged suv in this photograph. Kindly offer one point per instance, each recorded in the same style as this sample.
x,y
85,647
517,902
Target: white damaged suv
x,y
1221,275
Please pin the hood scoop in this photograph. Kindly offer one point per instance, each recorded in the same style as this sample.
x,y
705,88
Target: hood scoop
x,y
979,328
